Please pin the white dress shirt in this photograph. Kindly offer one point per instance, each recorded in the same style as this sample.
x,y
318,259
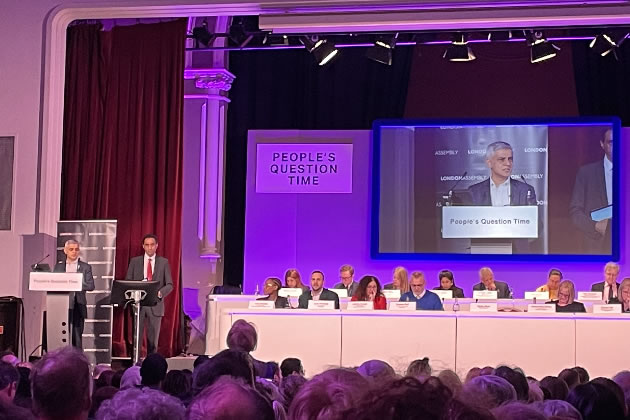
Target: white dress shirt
x,y
316,296
421,294
500,194
72,267
608,167
144,265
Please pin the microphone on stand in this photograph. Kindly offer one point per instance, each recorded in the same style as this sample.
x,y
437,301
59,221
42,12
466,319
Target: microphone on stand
x,y
448,198
530,198
43,267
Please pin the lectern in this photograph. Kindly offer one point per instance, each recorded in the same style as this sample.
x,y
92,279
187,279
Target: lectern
x,y
138,294
58,288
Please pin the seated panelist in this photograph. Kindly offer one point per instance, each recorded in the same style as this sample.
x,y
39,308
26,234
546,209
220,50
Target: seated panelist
x,y
624,294
566,298
447,282
553,281
487,282
425,299
369,289
293,280
400,281
271,288
609,287
317,292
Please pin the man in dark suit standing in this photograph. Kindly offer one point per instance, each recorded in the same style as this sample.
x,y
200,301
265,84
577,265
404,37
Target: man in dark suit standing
x,y
78,301
609,287
487,282
593,190
317,292
151,267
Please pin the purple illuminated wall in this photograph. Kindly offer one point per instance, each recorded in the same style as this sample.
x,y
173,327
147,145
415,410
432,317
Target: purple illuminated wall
x,y
324,231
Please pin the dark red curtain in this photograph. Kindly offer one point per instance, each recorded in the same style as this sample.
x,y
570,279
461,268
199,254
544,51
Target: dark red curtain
x,y
122,150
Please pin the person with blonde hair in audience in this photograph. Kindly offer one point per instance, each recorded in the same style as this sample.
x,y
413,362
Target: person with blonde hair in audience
x,y
369,290
566,298
553,281
293,280
270,288
400,281
624,294
451,380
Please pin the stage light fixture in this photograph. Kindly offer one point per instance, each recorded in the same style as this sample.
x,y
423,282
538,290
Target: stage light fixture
x,y
604,43
500,36
322,50
201,35
459,49
540,48
383,49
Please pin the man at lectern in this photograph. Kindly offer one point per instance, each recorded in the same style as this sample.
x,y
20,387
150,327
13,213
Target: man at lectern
x,y
500,189
151,267
78,302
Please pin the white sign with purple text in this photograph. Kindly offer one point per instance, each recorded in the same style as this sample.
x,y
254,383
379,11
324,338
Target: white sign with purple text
x,y
303,168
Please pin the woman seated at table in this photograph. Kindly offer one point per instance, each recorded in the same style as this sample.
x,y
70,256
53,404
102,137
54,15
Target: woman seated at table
x,y
271,288
566,296
400,281
369,290
293,279
447,282
624,294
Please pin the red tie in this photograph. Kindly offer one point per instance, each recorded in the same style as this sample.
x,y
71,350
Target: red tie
x,y
149,270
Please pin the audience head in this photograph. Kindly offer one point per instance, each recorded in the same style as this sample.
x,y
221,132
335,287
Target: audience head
x,y
457,410
228,399
566,292
104,379
401,279
517,411
10,358
272,285
595,401
419,367
328,395
535,393
153,370
242,336
486,276
584,377
9,380
556,387
100,395
141,404
100,368
446,279
368,285
517,379
289,388
117,378
177,384
571,377
131,378
291,366
317,281
615,389
293,279
376,370
346,274
487,391
61,384
417,283
558,409
451,380
237,364
487,370
199,360
554,278
472,373
611,272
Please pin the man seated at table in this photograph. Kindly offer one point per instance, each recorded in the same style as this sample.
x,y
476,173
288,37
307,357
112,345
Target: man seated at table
x,y
425,299
553,281
317,292
609,287
487,282
346,275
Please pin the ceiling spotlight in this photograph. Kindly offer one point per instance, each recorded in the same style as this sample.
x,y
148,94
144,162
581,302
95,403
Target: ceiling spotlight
x,y
603,44
382,50
459,49
322,50
540,48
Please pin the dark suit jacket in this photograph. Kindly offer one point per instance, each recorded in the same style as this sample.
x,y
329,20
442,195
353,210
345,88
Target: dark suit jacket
x,y
503,290
589,193
599,287
161,274
458,292
88,283
480,193
353,287
326,295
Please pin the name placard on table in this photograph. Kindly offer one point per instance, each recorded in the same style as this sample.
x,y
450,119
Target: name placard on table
x,y
485,294
262,304
290,292
360,306
342,293
541,308
537,295
321,304
483,307
614,308
391,294
402,306
444,294
592,296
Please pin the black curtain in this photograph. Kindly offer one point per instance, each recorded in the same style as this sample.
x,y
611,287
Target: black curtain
x,y
286,89
602,83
